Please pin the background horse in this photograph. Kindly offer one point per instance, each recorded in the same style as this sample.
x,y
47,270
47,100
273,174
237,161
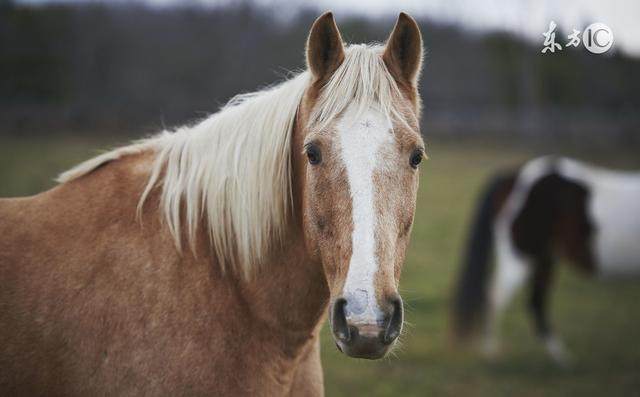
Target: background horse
x,y
203,261
589,215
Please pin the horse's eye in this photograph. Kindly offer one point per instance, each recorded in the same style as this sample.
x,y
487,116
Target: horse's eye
x,y
416,158
313,154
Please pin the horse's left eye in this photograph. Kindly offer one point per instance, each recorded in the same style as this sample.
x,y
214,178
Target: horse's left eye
x,y
416,158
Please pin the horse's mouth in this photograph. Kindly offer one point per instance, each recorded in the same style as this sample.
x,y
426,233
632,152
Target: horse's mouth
x,y
367,349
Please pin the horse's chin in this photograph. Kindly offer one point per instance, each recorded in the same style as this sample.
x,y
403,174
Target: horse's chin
x,y
370,350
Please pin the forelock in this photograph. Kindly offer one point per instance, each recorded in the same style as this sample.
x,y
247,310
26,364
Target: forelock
x,y
361,82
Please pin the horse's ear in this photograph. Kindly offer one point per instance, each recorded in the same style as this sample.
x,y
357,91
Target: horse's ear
x,y
403,52
325,51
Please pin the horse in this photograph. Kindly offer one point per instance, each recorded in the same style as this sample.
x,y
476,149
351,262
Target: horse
x,y
204,260
551,207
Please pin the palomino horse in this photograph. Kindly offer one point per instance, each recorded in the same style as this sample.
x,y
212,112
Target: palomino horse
x,y
204,260
589,215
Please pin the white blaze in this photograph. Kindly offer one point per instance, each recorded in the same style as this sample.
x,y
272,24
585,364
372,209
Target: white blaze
x,y
361,139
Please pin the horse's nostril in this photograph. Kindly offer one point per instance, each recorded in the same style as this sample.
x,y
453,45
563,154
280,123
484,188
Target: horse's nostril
x,y
339,321
366,337
394,327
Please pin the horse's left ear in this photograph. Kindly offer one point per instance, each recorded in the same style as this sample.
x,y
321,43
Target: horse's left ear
x,y
403,52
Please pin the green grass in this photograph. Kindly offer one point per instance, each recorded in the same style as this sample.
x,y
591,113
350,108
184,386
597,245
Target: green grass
x,y
598,321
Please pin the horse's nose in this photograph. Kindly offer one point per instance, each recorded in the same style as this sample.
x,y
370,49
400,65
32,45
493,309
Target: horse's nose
x,y
366,337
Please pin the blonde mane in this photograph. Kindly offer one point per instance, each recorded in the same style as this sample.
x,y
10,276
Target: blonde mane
x,y
234,168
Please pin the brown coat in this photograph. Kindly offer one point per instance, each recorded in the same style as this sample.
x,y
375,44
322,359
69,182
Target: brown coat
x,y
94,304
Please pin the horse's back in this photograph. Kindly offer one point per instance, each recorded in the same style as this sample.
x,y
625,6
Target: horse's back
x,y
614,209
14,215
55,228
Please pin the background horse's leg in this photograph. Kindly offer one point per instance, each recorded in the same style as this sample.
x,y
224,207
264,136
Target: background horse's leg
x,y
511,273
538,305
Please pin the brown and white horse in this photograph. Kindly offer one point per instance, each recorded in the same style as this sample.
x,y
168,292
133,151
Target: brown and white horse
x,y
551,206
204,260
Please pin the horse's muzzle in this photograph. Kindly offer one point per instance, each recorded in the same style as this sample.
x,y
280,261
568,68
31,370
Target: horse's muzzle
x,y
366,340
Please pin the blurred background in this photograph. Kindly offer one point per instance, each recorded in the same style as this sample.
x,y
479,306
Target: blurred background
x,y
82,76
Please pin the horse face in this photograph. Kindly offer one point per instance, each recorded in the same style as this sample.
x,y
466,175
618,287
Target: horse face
x,y
360,185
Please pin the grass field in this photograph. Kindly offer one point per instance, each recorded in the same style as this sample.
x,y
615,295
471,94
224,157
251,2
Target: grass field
x,y
600,322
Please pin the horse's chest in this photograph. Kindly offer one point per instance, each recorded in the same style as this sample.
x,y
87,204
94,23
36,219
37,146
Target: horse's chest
x,y
615,209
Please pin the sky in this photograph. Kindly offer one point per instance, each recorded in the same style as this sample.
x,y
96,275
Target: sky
x,y
527,18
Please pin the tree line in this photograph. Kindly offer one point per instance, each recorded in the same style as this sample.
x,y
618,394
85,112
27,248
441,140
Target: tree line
x,y
125,67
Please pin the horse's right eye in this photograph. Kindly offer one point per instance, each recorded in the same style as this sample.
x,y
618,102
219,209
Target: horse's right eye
x,y
313,154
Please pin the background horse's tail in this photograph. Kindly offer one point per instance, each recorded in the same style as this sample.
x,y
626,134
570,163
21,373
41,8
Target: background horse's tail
x,y
470,293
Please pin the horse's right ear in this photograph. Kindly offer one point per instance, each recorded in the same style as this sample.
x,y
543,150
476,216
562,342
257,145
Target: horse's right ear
x,y
325,51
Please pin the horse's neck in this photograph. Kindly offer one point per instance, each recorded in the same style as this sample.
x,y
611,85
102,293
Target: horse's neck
x,y
289,293
286,295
